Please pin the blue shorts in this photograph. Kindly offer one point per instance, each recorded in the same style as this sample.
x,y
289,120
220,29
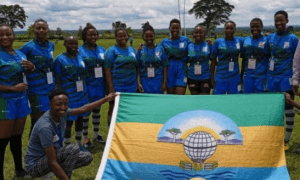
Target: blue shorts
x,y
126,89
177,74
39,103
279,84
14,108
254,85
77,105
229,87
152,85
95,92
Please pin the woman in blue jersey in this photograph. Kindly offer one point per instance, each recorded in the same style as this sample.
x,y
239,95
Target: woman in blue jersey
x,y
14,105
199,54
226,78
256,54
153,69
41,82
176,49
120,67
281,76
70,72
93,57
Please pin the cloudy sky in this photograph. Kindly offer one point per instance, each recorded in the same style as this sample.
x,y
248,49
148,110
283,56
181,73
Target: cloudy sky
x,y
70,14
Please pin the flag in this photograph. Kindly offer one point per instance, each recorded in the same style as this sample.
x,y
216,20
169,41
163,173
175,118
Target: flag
x,y
208,137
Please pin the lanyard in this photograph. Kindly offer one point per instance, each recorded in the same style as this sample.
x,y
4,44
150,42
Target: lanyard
x,y
59,133
229,49
44,47
148,56
76,64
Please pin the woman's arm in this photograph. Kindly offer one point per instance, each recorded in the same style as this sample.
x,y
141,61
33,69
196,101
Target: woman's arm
x,y
16,88
140,87
164,84
108,78
212,71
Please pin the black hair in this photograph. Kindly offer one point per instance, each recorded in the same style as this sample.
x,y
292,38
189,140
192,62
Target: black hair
x,y
67,38
7,25
40,20
120,29
257,19
230,22
174,21
85,30
283,13
147,27
57,92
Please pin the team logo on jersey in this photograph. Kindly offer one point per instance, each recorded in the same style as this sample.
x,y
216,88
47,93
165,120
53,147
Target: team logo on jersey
x,y
102,55
261,44
181,45
286,45
238,45
157,54
133,54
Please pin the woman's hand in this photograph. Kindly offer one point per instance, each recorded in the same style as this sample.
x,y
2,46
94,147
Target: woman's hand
x,y
19,87
163,87
140,88
27,65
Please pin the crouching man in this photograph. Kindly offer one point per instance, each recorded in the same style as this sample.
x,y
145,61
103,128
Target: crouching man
x,y
45,152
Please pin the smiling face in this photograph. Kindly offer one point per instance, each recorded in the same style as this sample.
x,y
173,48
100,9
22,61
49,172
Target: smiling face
x,y
122,38
229,31
149,38
71,44
41,30
59,106
255,28
280,22
175,30
6,37
199,34
91,36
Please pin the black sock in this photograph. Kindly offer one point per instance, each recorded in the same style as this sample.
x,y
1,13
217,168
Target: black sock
x,y
3,144
33,121
16,150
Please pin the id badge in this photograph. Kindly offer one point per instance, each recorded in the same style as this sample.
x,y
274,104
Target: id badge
x,y
98,72
231,66
150,72
251,63
79,85
25,79
49,77
198,69
272,62
55,138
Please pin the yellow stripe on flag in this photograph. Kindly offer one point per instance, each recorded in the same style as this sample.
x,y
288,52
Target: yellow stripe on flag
x,y
137,142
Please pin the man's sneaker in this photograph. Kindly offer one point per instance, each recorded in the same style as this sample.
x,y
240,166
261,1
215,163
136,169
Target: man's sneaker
x,y
23,174
99,139
83,149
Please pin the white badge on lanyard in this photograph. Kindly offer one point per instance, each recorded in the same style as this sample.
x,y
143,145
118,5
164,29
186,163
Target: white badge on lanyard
x,y
79,85
272,62
198,69
98,71
49,76
231,66
251,63
204,49
151,71
25,79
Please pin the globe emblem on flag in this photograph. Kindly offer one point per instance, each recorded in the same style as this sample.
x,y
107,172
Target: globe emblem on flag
x,y
199,146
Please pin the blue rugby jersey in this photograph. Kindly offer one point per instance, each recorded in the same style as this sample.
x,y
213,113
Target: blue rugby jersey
x,y
92,59
227,51
199,54
11,72
122,64
154,57
176,49
259,49
41,55
283,48
67,71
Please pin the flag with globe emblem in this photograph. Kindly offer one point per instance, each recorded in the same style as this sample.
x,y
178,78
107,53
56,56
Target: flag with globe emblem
x,y
207,137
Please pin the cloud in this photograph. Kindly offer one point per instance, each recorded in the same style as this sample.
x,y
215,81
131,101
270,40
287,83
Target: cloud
x,y
70,14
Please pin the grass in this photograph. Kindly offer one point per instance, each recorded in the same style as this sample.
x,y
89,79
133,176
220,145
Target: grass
x,y
89,172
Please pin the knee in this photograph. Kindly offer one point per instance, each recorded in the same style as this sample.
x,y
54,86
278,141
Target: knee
x,y
73,149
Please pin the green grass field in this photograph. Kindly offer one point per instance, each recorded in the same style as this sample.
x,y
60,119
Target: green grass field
x,y
89,172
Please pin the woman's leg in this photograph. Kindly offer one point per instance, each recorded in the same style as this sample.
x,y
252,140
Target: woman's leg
x,y
5,133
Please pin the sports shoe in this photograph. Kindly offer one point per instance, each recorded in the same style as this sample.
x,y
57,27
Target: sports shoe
x,y
99,139
83,149
23,174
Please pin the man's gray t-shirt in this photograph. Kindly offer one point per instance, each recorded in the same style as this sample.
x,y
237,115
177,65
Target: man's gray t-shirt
x,y
45,134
